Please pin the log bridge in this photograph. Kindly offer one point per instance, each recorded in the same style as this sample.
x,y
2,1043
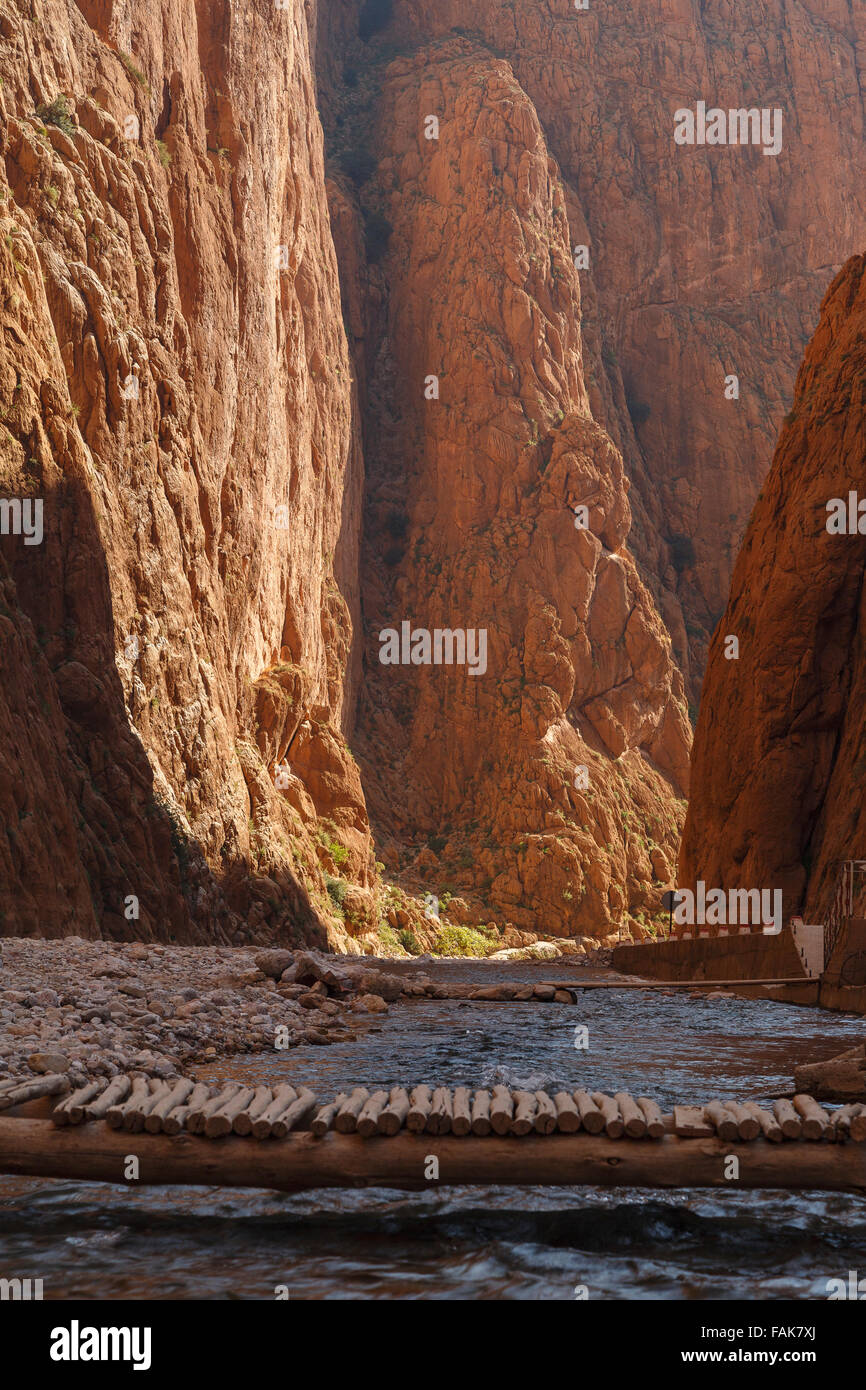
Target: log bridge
x,y
387,1138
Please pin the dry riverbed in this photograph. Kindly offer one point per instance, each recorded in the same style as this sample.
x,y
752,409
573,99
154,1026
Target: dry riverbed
x,y
96,1008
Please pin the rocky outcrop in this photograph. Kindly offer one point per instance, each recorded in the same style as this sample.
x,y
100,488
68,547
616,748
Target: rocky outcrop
x,y
777,786
177,654
545,772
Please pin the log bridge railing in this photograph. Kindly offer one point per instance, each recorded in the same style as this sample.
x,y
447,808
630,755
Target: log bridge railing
x,y
386,1137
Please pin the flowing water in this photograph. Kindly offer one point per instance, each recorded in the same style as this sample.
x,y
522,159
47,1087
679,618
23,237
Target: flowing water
x,y
88,1240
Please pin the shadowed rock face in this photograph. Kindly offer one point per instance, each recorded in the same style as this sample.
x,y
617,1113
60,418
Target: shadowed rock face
x,y
181,401
778,768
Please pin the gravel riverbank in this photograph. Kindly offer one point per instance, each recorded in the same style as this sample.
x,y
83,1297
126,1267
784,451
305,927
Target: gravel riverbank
x,y
98,1008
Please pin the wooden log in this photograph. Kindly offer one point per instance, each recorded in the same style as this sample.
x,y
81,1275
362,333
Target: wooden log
x,y
243,1121
117,1090
197,1122
767,1122
792,1125
296,1115
176,1119
138,1092
748,1125
501,1110
71,1110
197,1118
567,1117
175,1095
284,1096
841,1120
481,1113
55,1084
655,1125
220,1122
591,1117
441,1112
461,1120
545,1115
419,1108
135,1115
614,1127
34,1148
324,1119
525,1106
691,1123
723,1122
368,1118
816,1121
632,1116
394,1114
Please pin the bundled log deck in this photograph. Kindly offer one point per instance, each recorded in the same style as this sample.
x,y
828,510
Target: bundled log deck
x,y
136,1104
182,1131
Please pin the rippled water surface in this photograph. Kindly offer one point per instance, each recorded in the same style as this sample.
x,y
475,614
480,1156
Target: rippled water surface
x,y
93,1241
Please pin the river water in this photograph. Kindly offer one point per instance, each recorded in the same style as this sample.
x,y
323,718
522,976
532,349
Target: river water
x,y
89,1240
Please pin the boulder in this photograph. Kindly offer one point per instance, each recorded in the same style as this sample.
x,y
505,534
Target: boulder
x,y
48,1062
500,993
311,966
371,1004
273,963
541,950
388,987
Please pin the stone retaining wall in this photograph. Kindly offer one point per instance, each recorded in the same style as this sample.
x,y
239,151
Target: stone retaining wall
x,y
750,956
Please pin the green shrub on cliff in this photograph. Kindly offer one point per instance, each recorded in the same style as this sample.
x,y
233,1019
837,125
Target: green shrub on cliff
x,y
57,113
337,888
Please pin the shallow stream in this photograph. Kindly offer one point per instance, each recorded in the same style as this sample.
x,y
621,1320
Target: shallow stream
x,y
88,1240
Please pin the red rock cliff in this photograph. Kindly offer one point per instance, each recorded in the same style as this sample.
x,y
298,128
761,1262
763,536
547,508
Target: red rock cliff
x,y
778,770
175,386
545,787
703,261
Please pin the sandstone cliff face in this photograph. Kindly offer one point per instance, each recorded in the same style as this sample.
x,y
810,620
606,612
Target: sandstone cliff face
x,y
703,262
547,782
778,771
175,387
